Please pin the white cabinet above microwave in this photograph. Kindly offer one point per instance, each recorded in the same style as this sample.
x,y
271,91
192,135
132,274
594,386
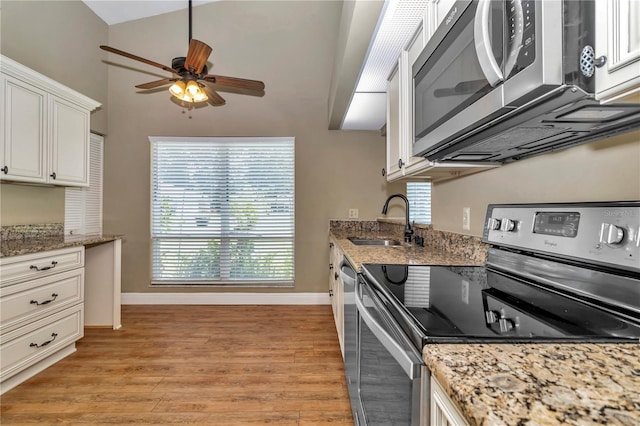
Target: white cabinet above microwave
x,y
45,128
618,44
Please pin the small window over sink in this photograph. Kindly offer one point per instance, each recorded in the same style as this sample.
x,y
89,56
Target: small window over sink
x,y
419,195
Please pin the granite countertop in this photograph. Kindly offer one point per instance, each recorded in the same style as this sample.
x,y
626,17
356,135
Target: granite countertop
x,y
16,247
456,251
540,384
512,384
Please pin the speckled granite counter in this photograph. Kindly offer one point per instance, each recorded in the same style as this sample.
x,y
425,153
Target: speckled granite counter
x,y
25,239
510,384
440,248
540,384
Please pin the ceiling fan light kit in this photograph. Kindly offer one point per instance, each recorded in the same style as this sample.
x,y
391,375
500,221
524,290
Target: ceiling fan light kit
x,y
191,81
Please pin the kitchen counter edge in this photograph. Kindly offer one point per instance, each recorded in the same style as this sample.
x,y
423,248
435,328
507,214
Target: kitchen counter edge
x,y
19,247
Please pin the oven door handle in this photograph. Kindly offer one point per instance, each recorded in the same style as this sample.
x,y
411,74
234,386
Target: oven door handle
x,y
409,364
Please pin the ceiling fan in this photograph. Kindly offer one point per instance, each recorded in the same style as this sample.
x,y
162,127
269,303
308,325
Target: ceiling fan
x,y
191,81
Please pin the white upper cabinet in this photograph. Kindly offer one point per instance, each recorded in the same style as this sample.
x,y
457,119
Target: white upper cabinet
x,y
45,128
23,136
69,144
618,40
394,157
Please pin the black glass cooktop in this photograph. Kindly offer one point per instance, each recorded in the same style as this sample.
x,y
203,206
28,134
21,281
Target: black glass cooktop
x,y
464,304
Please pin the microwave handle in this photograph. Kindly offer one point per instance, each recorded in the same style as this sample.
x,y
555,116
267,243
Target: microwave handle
x,y
488,62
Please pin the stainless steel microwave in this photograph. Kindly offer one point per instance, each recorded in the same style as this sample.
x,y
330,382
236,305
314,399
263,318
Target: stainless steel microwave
x,y
504,80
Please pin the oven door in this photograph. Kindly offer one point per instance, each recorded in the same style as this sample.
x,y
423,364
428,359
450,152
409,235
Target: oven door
x,y
389,366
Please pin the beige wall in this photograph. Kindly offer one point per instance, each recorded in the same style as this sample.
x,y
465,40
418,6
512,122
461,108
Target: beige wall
x,y
59,39
607,170
288,45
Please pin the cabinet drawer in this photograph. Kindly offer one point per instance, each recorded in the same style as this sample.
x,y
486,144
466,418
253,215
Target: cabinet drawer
x,y
31,266
24,302
29,344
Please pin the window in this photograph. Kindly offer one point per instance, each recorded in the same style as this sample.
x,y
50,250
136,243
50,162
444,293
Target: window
x,y
419,195
222,211
83,206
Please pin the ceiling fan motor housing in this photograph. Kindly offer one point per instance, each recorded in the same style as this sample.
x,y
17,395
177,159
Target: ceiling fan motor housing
x,y
178,65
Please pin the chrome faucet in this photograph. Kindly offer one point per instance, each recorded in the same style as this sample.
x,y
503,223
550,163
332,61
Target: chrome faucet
x,y
408,231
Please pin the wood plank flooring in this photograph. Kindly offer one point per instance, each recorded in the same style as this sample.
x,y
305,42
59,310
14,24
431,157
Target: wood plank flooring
x,y
216,365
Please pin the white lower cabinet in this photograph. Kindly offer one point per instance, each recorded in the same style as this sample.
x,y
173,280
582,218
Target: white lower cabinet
x,y
41,311
443,411
336,290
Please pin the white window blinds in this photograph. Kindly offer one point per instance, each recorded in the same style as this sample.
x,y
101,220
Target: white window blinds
x,y
419,195
83,206
222,210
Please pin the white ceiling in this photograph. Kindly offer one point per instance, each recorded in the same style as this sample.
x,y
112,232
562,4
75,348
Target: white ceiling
x,y
117,11
367,111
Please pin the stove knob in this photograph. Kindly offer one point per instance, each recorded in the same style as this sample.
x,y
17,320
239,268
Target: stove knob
x,y
492,316
506,324
508,225
494,224
611,234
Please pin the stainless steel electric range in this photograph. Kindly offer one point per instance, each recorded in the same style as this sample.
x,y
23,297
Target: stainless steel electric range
x,y
555,273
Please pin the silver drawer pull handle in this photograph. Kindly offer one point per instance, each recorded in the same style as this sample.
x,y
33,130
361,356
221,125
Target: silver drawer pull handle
x,y
35,345
53,265
53,297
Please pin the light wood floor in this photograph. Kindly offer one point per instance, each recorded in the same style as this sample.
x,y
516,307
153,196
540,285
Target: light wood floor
x,y
218,365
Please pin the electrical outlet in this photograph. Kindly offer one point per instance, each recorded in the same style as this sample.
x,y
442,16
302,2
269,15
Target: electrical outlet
x,y
466,218
353,213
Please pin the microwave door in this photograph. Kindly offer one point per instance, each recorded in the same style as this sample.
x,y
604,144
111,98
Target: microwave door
x,y
458,76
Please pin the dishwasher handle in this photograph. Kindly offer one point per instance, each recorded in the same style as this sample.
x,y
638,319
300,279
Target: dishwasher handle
x,y
408,360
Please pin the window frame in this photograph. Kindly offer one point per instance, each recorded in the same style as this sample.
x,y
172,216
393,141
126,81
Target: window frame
x,y
223,283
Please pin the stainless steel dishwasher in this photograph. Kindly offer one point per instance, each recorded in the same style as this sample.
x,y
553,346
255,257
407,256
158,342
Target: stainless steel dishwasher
x,y
349,279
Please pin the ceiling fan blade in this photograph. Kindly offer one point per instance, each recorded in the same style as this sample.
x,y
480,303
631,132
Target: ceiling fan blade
x,y
214,98
157,83
197,56
137,58
240,83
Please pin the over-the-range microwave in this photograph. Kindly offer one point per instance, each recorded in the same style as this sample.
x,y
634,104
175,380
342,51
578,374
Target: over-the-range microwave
x,y
504,80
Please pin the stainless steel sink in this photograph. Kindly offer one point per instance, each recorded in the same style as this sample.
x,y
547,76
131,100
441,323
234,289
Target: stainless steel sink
x,y
374,242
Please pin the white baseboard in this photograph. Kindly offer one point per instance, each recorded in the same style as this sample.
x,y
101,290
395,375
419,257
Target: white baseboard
x,y
225,299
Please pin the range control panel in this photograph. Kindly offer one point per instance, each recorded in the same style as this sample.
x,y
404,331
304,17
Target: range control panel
x,y
599,233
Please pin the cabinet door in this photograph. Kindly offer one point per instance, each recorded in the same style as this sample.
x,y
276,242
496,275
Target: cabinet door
x,y
69,144
443,411
23,136
618,38
412,164
394,155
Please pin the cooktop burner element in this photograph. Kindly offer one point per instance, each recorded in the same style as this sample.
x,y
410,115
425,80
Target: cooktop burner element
x,y
555,272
